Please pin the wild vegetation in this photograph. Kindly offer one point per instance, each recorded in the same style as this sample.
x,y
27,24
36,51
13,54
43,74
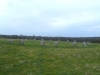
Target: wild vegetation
x,y
31,58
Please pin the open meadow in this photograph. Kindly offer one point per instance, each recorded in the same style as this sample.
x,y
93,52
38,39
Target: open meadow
x,y
33,59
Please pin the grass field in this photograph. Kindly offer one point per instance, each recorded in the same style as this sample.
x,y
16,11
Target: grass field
x,y
33,59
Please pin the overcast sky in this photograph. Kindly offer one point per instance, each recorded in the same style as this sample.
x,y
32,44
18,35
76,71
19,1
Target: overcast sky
x,y
75,18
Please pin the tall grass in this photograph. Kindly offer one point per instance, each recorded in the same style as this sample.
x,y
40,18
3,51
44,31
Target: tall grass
x,y
34,59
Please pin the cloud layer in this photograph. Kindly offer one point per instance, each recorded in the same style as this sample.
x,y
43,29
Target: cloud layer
x,y
54,17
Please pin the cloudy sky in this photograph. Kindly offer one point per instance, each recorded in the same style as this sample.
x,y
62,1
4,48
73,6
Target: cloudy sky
x,y
75,18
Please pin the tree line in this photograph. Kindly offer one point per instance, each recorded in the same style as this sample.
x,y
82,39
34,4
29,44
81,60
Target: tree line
x,y
71,39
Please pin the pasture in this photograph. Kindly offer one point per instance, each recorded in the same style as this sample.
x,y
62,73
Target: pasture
x,y
33,59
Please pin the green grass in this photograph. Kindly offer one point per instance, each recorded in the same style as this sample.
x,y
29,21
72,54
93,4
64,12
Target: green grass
x,y
33,59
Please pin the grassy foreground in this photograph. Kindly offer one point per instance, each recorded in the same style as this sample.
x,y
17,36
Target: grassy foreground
x,y
33,59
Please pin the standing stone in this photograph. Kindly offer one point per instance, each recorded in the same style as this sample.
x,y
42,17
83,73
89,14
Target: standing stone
x,y
88,43
34,39
8,40
58,40
84,43
50,40
25,39
22,41
11,40
67,41
56,43
18,39
74,43
42,42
